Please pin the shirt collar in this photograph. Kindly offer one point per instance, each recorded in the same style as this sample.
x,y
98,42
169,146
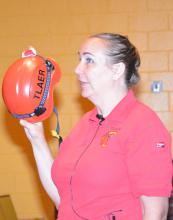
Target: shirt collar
x,y
121,110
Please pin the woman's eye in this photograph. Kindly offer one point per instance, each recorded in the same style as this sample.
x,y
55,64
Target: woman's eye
x,y
89,60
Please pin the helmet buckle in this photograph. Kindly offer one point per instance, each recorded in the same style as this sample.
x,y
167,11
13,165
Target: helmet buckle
x,y
39,110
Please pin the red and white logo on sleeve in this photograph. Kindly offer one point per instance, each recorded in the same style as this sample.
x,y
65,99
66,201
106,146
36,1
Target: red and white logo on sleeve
x,y
160,144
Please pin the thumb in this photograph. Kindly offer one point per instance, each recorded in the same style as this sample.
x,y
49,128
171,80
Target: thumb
x,y
22,122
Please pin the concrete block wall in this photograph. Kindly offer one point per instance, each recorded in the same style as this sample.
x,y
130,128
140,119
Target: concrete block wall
x,y
56,29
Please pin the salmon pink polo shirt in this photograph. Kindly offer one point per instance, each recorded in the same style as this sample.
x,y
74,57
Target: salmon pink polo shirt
x,y
104,166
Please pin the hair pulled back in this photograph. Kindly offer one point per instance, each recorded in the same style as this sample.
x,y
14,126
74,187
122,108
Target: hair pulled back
x,y
120,49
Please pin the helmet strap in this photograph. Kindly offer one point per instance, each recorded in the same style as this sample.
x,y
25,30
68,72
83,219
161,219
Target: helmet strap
x,y
56,133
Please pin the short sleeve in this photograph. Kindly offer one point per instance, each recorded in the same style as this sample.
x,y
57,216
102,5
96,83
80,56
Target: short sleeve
x,y
149,162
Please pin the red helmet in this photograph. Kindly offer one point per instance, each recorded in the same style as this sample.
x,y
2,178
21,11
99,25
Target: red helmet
x,y
28,85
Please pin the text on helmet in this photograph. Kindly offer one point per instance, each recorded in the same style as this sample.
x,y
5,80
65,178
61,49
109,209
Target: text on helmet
x,y
40,84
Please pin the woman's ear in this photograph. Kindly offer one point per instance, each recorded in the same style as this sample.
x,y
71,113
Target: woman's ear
x,y
118,70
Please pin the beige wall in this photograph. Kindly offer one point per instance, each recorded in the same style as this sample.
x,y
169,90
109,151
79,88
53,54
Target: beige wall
x,y
56,28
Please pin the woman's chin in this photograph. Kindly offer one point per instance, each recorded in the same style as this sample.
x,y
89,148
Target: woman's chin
x,y
88,96
85,93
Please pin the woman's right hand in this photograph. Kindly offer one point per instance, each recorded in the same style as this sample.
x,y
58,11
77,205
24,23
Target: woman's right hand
x,y
34,132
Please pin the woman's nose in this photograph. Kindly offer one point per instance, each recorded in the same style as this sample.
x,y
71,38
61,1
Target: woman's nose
x,y
78,68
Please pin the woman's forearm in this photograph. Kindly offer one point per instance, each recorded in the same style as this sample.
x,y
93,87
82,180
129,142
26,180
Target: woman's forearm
x,y
43,157
44,160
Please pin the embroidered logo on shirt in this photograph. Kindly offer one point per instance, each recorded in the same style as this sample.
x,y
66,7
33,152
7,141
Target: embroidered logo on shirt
x,y
105,138
160,145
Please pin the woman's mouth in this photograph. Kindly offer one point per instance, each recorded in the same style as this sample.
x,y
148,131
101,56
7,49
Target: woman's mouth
x,y
82,83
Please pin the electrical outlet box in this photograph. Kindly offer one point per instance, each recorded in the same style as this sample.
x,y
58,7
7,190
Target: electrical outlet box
x,y
157,86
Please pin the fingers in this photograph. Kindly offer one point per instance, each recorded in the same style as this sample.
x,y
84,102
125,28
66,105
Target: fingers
x,y
34,131
28,124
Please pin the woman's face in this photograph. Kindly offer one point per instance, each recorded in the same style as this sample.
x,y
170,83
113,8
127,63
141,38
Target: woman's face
x,y
94,72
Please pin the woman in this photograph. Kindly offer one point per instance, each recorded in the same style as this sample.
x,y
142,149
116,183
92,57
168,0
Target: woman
x,y
116,162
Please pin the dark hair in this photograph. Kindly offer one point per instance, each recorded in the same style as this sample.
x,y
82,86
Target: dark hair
x,y
120,49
